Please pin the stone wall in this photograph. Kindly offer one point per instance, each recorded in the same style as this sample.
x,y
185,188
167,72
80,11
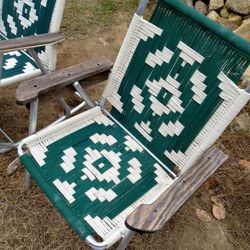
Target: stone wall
x,y
233,14
230,13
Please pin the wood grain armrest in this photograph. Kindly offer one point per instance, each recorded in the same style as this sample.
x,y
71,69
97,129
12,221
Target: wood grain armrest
x,y
29,42
151,218
30,90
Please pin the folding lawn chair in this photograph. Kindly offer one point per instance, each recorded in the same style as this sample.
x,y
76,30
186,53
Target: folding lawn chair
x,y
28,34
173,91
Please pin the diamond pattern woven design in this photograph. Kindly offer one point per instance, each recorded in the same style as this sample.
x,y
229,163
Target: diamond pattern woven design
x,y
17,63
173,80
101,167
24,18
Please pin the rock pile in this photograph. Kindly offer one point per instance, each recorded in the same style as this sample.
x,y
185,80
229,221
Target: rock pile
x,y
233,14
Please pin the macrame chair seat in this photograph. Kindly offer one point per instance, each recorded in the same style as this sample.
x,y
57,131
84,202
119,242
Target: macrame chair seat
x,y
94,162
19,19
174,90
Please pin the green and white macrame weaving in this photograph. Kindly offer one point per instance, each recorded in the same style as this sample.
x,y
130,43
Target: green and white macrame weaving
x,y
19,18
173,88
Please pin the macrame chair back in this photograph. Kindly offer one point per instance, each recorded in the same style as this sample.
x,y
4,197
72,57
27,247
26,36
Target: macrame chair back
x,y
30,17
173,85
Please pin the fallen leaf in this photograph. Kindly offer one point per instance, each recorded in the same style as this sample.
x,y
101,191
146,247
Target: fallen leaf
x,y
245,164
203,215
219,211
209,183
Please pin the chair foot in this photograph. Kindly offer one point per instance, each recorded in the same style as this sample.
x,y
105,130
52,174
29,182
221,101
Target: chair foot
x,y
27,181
13,166
125,241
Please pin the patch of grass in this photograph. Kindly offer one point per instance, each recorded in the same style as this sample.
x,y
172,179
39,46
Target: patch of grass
x,y
83,16
103,11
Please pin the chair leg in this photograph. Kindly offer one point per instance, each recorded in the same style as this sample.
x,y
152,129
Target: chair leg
x,y
32,130
1,65
84,95
125,241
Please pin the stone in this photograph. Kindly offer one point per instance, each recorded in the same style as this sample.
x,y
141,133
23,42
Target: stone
x,y
247,74
235,18
239,6
224,12
244,30
189,3
213,15
245,79
228,24
243,84
216,4
201,7
241,123
245,27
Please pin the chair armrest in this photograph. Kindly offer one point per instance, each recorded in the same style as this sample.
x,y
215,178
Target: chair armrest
x,y
151,218
30,90
29,42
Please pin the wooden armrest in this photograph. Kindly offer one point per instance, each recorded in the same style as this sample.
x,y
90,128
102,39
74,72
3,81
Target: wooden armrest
x,y
30,90
29,42
151,218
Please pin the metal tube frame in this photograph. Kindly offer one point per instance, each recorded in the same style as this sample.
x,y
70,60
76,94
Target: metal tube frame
x,y
91,241
84,95
125,241
1,65
141,8
32,130
6,135
5,147
65,107
38,61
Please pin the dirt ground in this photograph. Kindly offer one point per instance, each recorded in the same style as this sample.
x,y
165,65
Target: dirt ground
x,y
29,221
